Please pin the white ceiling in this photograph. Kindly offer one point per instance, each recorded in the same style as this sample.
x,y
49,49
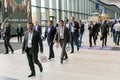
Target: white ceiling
x,y
116,2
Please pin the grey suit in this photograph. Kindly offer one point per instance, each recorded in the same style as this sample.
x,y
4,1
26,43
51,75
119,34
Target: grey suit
x,y
32,53
63,42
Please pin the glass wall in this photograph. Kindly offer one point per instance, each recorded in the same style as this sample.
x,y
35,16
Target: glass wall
x,y
61,9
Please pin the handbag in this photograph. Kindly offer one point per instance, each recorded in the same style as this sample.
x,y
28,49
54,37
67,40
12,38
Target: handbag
x,y
43,58
67,47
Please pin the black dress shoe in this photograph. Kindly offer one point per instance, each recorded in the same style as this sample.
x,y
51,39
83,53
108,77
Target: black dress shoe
x,y
12,52
77,49
31,75
41,69
66,58
6,53
61,62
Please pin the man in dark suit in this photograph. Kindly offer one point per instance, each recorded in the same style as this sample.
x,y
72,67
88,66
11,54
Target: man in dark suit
x,y
6,37
50,34
19,33
81,29
92,33
31,47
104,33
38,28
74,33
62,37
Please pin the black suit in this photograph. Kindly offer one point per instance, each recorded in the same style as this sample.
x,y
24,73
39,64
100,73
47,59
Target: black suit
x,y
74,35
19,33
7,39
81,27
50,37
92,34
104,32
32,53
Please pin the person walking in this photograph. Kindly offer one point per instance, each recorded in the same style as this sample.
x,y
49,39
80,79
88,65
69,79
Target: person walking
x,y
74,33
104,33
117,32
50,34
62,37
92,33
81,31
6,36
31,44
19,33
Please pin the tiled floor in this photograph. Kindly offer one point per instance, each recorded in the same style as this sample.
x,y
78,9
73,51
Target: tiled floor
x,y
86,64
82,65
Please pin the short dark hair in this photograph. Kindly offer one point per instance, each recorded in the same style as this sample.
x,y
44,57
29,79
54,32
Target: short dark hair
x,y
80,20
61,21
50,21
30,23
119,21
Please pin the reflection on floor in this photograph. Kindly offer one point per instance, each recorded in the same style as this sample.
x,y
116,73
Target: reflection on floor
x,y
101,48
81,65
5,78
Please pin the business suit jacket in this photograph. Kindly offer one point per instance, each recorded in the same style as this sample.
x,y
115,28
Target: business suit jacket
x,y
21,30
35,40
66,35
92,31
50,36
7,32
105,29
39,29
76,25
82,28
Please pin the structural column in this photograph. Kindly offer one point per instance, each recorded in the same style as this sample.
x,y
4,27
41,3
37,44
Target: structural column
x,y
36,10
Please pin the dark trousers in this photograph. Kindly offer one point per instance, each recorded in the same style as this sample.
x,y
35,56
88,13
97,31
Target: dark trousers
x,y
63,46
33,58
7,44
117,37
104,41
19,37
51,52
90,39
80,41
114,37
74,38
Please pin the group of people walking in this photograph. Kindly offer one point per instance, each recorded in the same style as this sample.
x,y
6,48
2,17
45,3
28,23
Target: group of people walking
x,y
65,33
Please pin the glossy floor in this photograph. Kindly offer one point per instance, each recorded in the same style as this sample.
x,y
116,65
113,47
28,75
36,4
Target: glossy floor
x,y
83,65
86,64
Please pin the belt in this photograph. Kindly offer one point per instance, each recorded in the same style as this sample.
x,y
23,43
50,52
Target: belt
x,y
29,48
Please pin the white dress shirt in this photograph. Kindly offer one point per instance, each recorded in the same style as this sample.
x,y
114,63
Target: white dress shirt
x,y
73,24
49,29
36,28
117,27
62,32
30,36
